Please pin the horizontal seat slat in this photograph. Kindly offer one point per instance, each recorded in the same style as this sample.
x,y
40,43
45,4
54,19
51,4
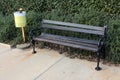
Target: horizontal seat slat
x,y
94,42
67,41
73,25
72,29
67,44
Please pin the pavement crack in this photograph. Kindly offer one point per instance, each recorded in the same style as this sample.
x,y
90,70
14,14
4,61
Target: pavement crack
x,y
48,68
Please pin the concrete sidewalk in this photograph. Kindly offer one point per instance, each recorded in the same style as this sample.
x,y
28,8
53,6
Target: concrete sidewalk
x,y
16,64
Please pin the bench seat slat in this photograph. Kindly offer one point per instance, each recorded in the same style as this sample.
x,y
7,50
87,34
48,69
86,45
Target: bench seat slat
x,y
73,25
69,42
72,29
95,42
66,44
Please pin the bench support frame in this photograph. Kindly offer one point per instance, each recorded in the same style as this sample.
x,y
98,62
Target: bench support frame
x,y
101,46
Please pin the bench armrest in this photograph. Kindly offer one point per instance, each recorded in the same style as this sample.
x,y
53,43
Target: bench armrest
x,y
32,32
103,37
101,41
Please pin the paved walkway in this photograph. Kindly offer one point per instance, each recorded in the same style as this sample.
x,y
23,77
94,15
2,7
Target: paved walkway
x,y
16,64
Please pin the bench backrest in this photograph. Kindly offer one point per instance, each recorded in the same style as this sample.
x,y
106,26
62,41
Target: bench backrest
x,y
49,24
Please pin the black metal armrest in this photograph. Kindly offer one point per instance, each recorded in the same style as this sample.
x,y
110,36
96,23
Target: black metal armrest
x,y
33,30
103,37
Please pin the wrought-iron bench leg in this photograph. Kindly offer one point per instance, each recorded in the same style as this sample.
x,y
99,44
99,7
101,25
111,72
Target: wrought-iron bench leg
x,y
104,52
98,61
33,45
